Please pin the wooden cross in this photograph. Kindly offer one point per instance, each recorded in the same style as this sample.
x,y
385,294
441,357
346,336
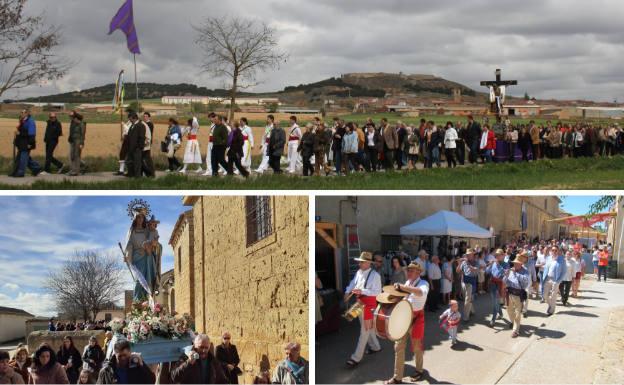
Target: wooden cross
x,y
496,107
498,82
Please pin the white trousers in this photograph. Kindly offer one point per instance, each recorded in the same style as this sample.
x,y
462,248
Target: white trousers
x,y
264,165
209,158
367,337
294,160
246,161
551,290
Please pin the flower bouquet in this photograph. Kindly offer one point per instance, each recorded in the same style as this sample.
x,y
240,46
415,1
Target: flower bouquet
x,y
154,332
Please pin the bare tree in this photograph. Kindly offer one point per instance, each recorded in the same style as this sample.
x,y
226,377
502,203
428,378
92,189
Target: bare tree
x,y
27,48
237,49
86,283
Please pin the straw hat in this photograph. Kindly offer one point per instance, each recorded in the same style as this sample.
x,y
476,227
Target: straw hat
x,y
522,258
366,256
415,266
499,251
470,251
394,292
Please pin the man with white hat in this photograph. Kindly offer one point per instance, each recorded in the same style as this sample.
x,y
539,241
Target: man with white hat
x,y
517,281
366,285
418,289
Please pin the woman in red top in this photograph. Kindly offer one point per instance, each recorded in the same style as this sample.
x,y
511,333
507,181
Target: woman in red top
x,y
488,144
603,263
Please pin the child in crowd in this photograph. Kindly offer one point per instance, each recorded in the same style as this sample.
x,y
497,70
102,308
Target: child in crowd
x,y
450,319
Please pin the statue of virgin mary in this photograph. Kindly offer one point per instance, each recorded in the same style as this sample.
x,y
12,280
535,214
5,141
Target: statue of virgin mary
x,y
139,253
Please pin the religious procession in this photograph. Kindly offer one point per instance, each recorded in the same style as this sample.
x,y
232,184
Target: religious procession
x,y
449,291
112,316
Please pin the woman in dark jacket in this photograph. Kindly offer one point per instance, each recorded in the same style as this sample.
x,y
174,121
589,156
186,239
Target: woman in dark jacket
x,y
373,145
306,147
69,357
235,153
45,369
321,144
93,355
524,142
227,355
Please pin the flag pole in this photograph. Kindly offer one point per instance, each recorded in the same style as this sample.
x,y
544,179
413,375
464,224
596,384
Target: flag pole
x,y
136,84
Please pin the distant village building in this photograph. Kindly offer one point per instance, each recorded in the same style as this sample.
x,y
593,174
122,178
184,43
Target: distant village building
x,y
13,323
522,108
241,265
218,100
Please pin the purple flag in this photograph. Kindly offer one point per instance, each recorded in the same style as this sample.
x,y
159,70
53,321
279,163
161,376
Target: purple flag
x,y
124,20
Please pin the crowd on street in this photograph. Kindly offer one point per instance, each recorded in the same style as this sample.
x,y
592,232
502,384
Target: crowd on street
x,y
447,282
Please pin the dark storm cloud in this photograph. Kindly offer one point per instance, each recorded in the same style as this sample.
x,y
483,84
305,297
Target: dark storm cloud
x,y
555,48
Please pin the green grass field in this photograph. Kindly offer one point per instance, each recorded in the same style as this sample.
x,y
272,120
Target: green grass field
x,y
563,174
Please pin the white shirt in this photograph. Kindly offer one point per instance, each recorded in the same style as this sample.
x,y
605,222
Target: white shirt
x,y
489,258
248,132
418,301
371,139
295,131
433,272
450,136
373,286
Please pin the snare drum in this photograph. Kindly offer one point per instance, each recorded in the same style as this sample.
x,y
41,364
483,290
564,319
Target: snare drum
x,y
392,321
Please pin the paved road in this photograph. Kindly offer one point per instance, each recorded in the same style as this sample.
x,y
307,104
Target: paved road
x,y
564,348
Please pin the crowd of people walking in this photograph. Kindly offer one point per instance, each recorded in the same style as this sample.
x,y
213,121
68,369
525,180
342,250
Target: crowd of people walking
x,y
550,271
318,148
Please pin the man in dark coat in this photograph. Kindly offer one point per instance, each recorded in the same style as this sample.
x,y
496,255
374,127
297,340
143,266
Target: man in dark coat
x,y
474,138
336,147
200,366
219,144
227,354
54,130
25,142
125,368
136,143
277,140
235,153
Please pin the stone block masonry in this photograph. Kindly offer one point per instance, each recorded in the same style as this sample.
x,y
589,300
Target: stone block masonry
x,y
258,292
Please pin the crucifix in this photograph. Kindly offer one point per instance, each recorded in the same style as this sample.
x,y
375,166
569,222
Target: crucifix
x,y
497,93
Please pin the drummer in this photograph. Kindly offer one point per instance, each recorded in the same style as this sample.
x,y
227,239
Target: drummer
x,y
366,285
517,281
418,289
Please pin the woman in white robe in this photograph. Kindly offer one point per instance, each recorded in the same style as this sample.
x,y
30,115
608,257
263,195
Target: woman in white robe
x,y
192,152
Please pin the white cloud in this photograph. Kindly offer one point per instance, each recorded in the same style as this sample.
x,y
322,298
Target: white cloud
x,y
38,304
555,48
10,286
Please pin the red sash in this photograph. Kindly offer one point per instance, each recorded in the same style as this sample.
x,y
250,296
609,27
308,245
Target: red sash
x,y
370,303
293,138
418,325
245,137
192,137
499,283
210,139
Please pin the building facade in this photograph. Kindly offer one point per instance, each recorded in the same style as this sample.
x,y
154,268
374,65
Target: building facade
x,y
241,265
380,218
13,323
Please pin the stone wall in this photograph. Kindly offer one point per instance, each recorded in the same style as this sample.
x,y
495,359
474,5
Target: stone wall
x,y
55,339
257,293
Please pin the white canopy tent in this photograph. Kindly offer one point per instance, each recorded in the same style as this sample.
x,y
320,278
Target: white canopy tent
x,y
445,223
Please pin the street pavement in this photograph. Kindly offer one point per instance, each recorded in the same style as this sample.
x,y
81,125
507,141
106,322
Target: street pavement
x,y
568,347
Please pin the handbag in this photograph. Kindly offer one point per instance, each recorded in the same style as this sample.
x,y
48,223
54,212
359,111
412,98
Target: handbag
x,y
164,147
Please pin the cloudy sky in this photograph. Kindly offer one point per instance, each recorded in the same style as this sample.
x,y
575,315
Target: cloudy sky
x,y
554,48
39,233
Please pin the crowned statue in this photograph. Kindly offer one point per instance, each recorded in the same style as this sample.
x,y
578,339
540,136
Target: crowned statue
x,y
143,252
